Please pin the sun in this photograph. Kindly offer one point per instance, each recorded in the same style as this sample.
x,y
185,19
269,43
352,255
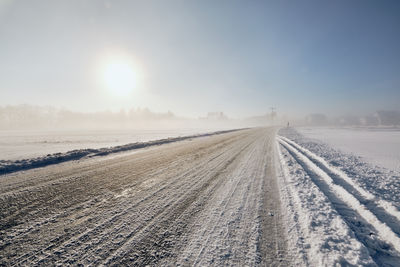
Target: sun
x,y
120,78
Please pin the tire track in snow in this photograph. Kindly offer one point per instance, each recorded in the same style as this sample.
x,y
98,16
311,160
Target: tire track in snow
x,y
383,209
72,239
217,224
177,200
237,224
377,236
290,212
115,223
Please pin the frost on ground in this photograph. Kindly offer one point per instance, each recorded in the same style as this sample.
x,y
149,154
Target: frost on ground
x,y
338,208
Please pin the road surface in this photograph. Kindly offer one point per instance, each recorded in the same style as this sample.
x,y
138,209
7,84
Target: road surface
x,y
206,201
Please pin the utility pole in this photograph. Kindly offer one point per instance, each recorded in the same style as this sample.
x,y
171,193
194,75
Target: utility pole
x,y
273,113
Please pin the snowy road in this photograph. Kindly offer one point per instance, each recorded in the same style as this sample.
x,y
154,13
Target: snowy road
x,y
207,201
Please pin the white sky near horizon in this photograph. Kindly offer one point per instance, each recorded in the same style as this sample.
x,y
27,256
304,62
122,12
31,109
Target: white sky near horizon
x,y
192,57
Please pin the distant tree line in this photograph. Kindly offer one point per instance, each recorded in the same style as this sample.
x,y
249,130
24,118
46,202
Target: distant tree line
x,y
28,116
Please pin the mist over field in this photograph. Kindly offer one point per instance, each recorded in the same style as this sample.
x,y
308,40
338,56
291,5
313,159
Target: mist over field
x,y
28,117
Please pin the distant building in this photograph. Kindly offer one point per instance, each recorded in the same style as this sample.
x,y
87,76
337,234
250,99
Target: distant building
x,y
215,116
388,117
370,120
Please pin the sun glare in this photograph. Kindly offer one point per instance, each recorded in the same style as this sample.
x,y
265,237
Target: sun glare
x,y
120,78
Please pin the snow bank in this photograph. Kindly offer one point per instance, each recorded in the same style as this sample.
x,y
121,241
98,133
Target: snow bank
x,y
318,236
9,166
329,195
379,181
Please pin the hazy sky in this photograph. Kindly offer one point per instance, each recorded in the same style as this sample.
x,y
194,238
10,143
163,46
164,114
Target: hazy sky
x,y
191,57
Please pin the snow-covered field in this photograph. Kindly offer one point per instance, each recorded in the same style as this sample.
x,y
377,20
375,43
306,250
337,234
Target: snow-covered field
x,y
17,145
338,209
378,146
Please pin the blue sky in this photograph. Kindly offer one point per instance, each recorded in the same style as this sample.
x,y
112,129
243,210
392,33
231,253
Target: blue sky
x,y
240,57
